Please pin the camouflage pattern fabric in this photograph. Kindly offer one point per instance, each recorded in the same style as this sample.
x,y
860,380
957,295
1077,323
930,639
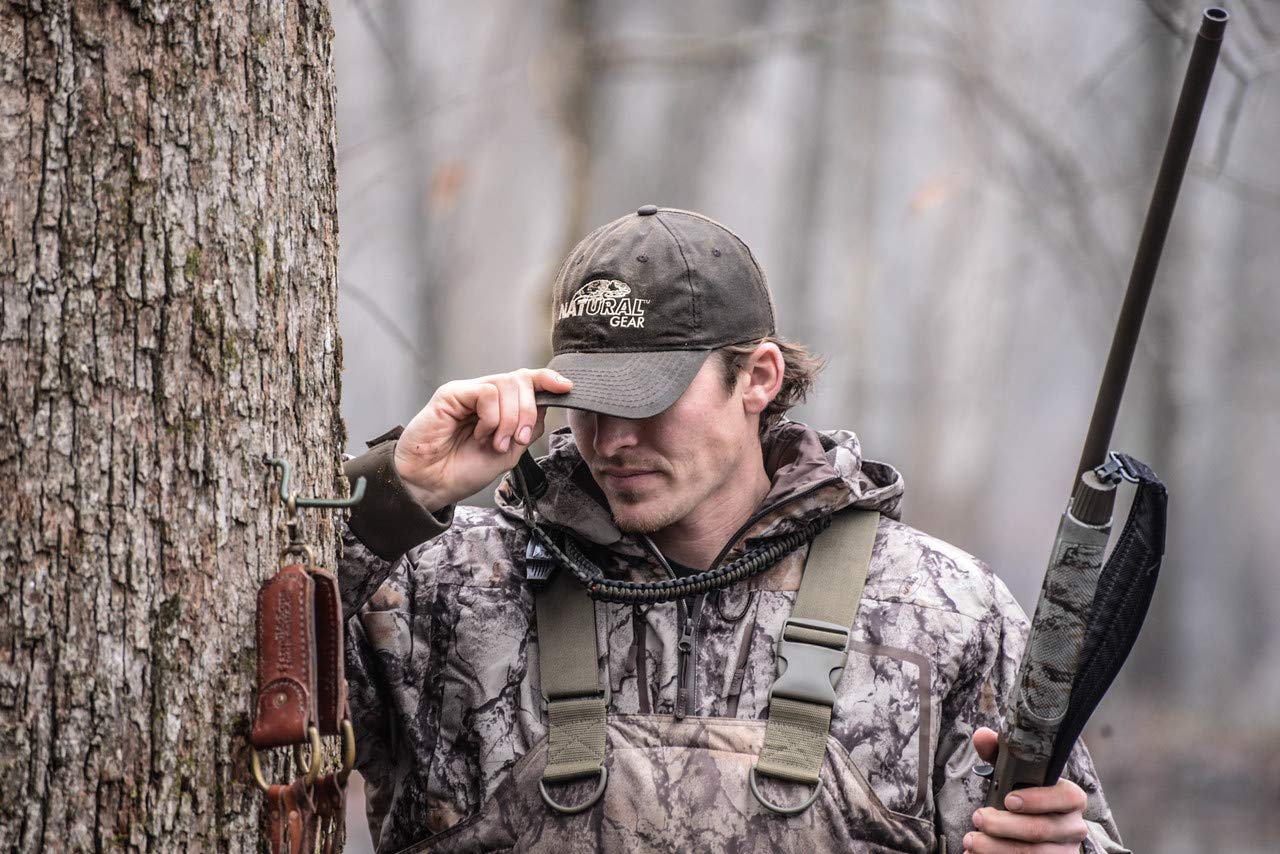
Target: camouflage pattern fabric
x,y
443,673
1057,634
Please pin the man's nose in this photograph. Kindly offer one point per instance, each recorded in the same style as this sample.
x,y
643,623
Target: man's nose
x,y
613,434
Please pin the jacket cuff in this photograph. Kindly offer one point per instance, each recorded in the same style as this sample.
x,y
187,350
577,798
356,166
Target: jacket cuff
x,y
388,520
1100,841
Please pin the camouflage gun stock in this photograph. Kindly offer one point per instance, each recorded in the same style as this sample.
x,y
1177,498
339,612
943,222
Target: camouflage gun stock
x,y
1089,615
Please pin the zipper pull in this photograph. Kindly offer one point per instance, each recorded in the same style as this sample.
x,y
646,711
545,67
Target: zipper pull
x,y
684,677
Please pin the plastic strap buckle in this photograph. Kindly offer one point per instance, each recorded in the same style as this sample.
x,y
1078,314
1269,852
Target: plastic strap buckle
x,y
538,562
811,656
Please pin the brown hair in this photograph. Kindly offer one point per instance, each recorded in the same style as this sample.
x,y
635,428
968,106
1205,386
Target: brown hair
x,y
801,369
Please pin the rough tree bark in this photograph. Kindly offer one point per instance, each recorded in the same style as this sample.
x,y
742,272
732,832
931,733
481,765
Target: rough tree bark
x,y
167,316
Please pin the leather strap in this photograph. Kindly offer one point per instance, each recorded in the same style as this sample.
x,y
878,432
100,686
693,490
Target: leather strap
x,y
301,680
812,653
331,681
331,800
291,819
286,659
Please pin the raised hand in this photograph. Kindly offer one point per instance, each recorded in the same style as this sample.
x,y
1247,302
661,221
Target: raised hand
x,y
470,432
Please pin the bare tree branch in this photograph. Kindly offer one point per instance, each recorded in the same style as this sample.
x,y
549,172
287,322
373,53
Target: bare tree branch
x,y
386,323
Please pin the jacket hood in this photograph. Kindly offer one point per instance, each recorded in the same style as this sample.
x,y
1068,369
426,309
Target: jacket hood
x,y
812,473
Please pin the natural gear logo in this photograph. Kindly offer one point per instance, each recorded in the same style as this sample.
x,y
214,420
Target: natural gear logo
x,y
606,298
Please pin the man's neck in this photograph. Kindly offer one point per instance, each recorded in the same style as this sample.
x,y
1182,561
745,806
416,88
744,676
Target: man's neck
x,y
698,538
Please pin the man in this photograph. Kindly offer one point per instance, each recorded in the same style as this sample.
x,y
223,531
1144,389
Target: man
x,y
688,502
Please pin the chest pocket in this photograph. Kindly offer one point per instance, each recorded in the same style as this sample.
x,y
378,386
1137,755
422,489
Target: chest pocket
x,y
884,718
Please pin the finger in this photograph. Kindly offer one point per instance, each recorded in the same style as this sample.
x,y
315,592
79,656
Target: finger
x,y
981,843
487,409
987,743
528,413
545,379
509,411
1063,796
457,399
1068,828
540,425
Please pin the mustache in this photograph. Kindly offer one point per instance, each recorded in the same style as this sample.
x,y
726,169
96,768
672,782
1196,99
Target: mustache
x,y
628,463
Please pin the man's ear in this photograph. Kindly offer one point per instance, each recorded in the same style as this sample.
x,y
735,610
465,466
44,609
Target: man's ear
x,y
764,369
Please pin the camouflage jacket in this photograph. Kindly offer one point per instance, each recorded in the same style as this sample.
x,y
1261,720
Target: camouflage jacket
x,y
442,665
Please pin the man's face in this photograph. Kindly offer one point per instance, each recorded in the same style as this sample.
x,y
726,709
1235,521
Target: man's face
x,y
655,471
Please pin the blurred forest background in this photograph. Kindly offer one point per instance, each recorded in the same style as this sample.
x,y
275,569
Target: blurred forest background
x,y
946,197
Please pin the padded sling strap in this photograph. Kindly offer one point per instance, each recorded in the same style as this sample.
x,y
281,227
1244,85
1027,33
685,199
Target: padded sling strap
x,y
812,653
576,700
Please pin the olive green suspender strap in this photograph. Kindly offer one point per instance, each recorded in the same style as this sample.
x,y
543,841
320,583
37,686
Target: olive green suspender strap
x,y
811,657
571,687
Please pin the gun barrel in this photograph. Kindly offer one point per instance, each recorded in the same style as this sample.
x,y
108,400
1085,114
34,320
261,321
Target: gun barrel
x,y
1186,118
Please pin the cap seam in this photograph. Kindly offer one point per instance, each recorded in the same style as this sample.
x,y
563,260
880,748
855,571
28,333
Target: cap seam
x,y
688,272
768,298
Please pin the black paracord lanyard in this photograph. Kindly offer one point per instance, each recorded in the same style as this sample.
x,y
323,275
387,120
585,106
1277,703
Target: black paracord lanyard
x,y
605,589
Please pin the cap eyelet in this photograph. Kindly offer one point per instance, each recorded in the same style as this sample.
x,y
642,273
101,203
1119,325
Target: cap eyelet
x,y
715,252
642,258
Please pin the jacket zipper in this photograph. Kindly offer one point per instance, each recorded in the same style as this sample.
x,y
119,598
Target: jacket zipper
x,y
687,623
687,673
686,647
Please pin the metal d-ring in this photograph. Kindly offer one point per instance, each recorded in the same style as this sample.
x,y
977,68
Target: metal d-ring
x,y
348,748
796,810
313,768
586,805
348,752
301,760
302,549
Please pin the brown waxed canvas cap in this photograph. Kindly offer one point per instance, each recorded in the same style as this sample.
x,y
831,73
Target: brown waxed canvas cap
x,y
640,303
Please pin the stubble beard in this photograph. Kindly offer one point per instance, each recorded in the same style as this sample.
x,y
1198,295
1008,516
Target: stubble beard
x,y
633,514
644,522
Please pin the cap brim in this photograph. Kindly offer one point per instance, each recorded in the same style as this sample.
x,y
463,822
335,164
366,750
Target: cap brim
x,y
626,385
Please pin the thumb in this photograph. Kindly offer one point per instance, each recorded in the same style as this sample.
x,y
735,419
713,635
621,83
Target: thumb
x,y
986,742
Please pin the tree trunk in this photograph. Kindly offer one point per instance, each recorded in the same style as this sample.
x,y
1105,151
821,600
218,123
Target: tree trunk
x,y
167,317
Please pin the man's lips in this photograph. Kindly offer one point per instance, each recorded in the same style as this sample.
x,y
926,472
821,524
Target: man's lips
x,y
628,477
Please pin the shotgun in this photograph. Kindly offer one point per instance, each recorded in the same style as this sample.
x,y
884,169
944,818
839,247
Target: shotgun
x,y
1088,615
